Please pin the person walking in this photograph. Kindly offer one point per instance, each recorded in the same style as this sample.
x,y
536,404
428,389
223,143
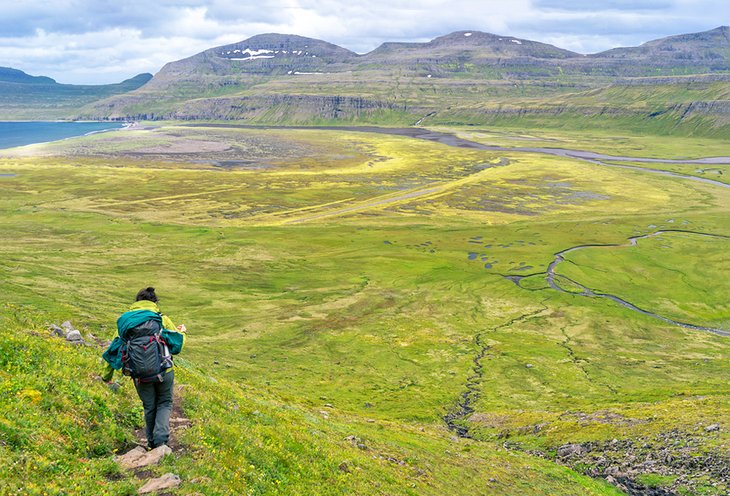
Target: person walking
x,y
143,349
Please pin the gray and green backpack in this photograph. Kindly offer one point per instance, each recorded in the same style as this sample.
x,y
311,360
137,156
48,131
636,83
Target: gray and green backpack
x,y
145,355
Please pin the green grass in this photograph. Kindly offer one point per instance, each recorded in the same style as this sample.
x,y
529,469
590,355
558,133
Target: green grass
x,y
349,269
58,426
656,480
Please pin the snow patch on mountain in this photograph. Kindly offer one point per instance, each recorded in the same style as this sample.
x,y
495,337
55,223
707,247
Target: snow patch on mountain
x,y
252,58
249,54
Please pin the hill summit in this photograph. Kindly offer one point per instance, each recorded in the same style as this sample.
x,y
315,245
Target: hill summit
x,y
10,75
261,54
712,45
471,52
474,44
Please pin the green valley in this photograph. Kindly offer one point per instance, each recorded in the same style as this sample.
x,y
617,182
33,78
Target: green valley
x,y
369,313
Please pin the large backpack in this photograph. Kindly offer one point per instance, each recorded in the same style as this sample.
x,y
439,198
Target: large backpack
x,y
145,355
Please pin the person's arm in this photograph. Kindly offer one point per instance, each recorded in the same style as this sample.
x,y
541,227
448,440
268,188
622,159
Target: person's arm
x,y
107,372
112,357
169,325
174,336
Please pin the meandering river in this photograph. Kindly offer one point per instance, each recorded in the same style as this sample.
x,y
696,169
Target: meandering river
x,y
559,257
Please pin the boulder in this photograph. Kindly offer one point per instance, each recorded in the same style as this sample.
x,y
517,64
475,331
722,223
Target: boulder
x,y
131,457
58,331
74,337
167,481
568,450
140,457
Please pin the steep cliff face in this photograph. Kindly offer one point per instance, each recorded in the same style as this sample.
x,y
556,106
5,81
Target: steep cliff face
x,y
283,109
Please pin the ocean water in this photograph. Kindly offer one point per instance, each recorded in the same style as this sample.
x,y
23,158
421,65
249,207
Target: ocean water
x,y
24,133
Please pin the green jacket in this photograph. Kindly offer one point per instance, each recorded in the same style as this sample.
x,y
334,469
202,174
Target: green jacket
x,y
139,312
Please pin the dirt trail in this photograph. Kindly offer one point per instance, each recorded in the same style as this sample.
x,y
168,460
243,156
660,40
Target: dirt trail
x,y
142,469
178,422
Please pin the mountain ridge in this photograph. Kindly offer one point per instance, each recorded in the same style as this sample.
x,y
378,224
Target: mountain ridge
x,y
464,77
276,54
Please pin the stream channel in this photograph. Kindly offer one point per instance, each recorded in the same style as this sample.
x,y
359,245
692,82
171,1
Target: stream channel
x,y
551,277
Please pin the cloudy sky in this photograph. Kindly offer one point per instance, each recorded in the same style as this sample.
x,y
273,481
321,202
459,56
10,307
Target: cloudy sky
x,y
103,41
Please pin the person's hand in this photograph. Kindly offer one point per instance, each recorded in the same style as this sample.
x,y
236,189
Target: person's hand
x,y
113,385
182,328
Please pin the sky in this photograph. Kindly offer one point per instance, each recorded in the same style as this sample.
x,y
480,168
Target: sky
x,y
103,41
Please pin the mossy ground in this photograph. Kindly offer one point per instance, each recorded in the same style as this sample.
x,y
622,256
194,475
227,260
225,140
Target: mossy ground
x,y
317,267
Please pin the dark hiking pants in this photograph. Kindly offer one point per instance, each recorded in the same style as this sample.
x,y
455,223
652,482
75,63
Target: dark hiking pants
x,y
157,401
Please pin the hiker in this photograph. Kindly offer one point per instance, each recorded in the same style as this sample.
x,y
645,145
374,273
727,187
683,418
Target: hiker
x,y
143,350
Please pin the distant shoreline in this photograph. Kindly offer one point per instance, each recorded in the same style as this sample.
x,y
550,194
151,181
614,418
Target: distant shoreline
x,y
20,134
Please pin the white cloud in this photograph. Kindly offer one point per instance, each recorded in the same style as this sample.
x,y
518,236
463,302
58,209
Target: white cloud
x,y
95,57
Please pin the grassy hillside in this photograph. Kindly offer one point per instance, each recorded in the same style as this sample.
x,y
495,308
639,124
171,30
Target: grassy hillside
x,y
341,284
41,98
60,429
679,106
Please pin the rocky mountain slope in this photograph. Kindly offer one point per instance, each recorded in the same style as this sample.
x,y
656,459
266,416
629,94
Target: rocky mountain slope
x,y
466,77
273,55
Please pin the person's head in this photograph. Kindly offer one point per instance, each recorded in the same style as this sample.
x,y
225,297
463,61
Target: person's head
x,y
147,294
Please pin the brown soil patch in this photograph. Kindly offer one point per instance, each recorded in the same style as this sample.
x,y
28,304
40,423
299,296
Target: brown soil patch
x,y
185,146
